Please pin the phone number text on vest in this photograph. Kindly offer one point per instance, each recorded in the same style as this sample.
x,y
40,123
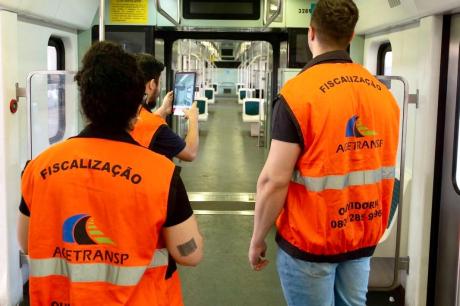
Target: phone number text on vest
x,y
357,212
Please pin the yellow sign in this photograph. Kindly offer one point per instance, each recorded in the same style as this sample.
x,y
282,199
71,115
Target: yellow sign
x,y
129,11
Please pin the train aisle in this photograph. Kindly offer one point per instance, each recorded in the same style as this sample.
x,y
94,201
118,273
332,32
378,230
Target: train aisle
x,y
229,159
221,184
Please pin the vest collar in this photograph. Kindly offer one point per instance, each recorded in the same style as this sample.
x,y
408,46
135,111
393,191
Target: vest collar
x,y
92,131
338,56
145,107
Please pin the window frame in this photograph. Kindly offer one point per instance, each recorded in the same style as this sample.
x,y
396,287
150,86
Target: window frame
x,y
58,44
383,50
456,146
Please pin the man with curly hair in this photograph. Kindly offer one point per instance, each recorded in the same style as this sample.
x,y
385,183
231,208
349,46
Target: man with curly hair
x,y
94,207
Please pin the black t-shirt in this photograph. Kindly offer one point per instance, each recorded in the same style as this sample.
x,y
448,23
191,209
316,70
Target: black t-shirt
x,y
166,142
284,124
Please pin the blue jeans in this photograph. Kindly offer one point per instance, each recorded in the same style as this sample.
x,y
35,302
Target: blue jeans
x,y
307,283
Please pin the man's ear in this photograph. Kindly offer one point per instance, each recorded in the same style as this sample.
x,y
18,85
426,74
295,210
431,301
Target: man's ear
x,y
352,36
311,33
152,84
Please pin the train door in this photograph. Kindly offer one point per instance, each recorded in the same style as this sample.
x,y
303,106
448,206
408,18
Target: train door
x,y
448,253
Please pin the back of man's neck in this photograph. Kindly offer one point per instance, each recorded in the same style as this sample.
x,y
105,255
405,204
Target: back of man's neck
x,y
325,50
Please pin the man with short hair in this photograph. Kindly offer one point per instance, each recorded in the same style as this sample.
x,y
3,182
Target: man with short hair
x,y
329,176
152,132
151,129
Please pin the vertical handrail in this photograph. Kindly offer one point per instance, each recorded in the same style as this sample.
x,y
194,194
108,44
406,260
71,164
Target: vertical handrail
x,y
457,293
166,14
101,20
29,114
402,166
274,16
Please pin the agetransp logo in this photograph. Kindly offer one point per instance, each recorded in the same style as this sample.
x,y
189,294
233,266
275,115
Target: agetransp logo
x,y
355,128
81,229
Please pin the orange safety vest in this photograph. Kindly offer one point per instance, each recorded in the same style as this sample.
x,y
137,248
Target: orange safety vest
x,y
144,131
339,198
146,127
97,210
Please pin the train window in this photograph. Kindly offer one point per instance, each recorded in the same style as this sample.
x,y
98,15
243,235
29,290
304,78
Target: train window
x,y
133,39
56,54
56,91
299,53
385,59
457,137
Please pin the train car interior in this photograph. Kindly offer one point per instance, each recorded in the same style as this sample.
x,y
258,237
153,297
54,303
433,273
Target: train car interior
x,y
243,52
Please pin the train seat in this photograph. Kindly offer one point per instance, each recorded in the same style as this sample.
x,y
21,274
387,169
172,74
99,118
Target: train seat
x,y
394,209
202,104
238,86
244,93
210,94
253,112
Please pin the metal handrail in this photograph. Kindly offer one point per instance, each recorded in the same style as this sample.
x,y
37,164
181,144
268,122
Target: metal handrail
x,y
101,20
166,14
457,294
274,16
396,281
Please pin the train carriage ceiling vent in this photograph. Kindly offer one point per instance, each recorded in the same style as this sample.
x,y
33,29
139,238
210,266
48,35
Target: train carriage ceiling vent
x,y
394,3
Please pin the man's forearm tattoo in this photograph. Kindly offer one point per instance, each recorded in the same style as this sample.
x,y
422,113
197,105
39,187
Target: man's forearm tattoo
x,y
187,248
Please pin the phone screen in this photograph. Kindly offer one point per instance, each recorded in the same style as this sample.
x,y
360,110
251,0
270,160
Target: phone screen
x,y
184,91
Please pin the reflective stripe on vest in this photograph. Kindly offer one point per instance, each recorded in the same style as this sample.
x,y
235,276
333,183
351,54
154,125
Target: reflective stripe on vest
x,y
95,272
339,182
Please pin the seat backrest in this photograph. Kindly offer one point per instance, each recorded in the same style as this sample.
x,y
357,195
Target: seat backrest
x,y
209,93
201,103
242,94
251,107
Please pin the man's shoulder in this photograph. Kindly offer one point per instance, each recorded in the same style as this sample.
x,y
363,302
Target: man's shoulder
x,y
148,117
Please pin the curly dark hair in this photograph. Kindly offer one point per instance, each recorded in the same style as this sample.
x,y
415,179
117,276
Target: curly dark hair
x,y
335,21
111,86
150,67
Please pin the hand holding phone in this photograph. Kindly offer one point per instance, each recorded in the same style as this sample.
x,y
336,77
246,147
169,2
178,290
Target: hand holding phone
x,y
184,91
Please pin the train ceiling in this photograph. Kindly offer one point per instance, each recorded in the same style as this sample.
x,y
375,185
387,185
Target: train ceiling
x,y
375,15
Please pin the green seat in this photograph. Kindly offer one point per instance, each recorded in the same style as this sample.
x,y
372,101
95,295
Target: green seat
x,y
242,94
209,94
251,108
201,103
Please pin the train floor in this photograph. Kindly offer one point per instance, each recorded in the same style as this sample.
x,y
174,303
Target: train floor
x,y
229,159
